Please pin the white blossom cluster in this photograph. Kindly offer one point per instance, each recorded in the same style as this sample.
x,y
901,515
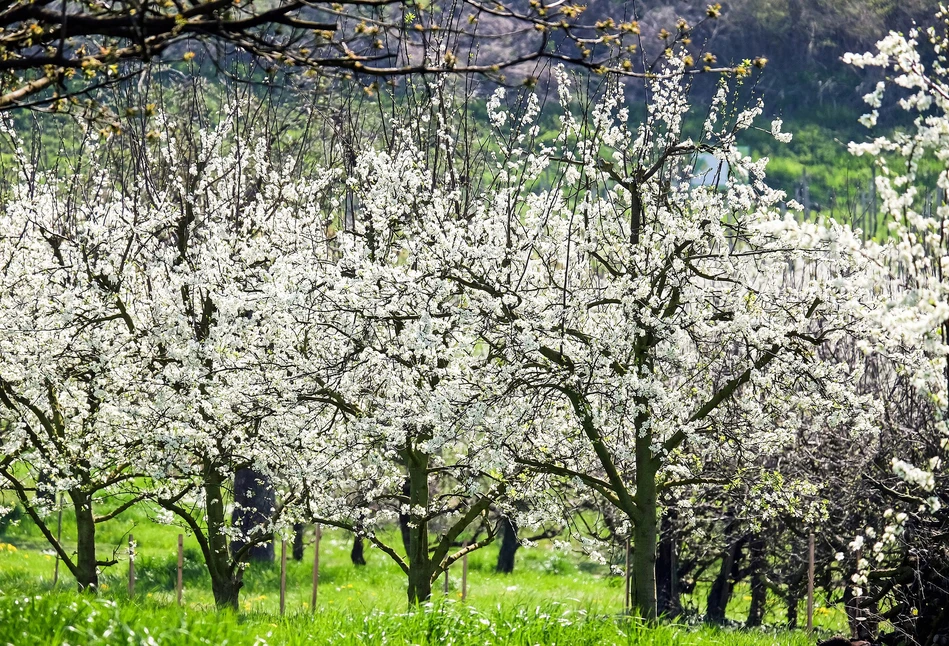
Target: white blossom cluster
x,y
916,314
919,256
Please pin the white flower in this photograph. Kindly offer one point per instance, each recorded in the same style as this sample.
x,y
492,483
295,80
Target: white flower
x,y
783,137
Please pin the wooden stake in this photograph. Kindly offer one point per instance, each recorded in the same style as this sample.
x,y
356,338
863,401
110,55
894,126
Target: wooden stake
x,y
59,539
181,565
810,582
464,576
626,598
283,576
131,567
446,580
316,568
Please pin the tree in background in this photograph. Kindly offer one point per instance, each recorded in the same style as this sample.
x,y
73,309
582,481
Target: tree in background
x,y
66,345
178,252
902,572
418,440
220,289
654,318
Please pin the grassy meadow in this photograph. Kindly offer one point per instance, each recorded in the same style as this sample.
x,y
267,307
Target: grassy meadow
x,y
553,597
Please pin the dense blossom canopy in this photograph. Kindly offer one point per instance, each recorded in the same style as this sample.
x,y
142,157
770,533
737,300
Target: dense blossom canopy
x,y
428,341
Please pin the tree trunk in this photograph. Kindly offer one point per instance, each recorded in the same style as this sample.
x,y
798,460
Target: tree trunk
x,y
298,529
254,503
646,530
721,591
667,571
759,591
226,581
420,569
791,605
404,518
87,574
226,592
357,555
718,594
791,601
509,545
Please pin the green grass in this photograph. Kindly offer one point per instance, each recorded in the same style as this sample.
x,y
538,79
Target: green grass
x,y
61,618
542,575
552,597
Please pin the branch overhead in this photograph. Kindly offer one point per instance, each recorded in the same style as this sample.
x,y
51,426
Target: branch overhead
x,y
55,50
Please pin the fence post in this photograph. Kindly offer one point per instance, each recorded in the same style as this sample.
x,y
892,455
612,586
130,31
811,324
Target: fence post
x,y
59,539
810,582
181,564
131,566
283,576
627,588
464,576
316,568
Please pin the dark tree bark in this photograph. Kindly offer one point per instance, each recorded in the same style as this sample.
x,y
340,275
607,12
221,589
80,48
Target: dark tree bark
x,y
758,564
667,571
793,598
254,503
298,529
646,526
420,567
226,592
86,572
357,555
509,545
721,591
227,577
